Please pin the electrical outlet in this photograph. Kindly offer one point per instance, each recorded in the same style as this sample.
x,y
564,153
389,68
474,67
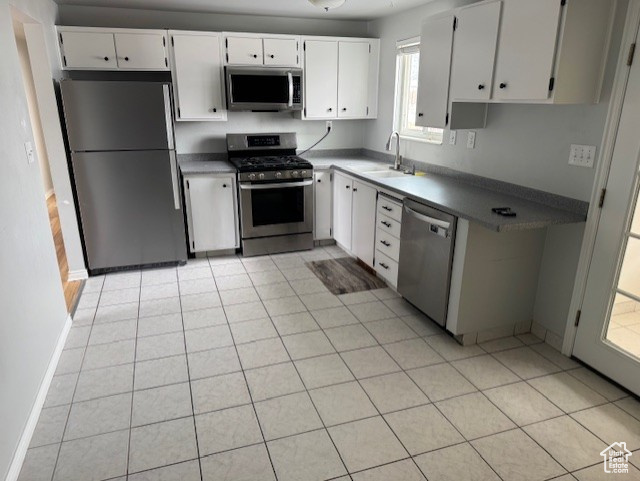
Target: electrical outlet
x,y
582,155
471,140
28,149
329,125
452,137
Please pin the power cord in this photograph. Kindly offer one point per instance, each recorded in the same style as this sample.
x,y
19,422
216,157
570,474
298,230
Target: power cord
x,y
323,137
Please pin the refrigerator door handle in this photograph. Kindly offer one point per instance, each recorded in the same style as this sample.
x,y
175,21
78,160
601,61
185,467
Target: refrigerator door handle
x,y
167,116
174,180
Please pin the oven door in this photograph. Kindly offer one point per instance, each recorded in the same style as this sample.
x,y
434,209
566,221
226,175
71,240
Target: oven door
x,y
278,208
268,89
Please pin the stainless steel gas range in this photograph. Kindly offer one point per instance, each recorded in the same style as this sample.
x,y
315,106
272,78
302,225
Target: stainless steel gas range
x,y
275,192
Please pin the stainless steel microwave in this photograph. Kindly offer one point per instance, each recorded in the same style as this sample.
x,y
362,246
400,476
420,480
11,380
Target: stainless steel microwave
x,y
263,89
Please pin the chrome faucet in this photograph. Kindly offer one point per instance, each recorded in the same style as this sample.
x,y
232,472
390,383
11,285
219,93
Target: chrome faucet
x,y
398,162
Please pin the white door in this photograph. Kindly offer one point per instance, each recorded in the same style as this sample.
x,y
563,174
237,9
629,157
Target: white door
x,y
323,205
526,49
141,51
608,336
244,51
342,204
197,77
211,213
282,52
364,222
88,50
474,51
436,43
321,79
353,79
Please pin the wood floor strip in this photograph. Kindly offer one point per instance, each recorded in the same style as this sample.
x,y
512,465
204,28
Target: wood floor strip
x,y
344,276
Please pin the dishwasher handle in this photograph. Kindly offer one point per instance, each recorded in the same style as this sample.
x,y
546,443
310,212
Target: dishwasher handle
x,y
436,226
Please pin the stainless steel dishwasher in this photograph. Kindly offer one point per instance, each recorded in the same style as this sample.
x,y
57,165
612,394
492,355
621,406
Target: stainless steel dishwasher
x,y
426,254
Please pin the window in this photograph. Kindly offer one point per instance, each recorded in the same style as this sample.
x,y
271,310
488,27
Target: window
x,y
407,67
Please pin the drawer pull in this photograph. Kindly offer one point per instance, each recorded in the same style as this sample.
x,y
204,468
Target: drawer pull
x,y
387,208
385,223
384,266
385,243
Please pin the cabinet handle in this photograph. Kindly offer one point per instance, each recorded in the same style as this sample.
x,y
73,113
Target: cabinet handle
x,y
387,224
126,59
348,187
355,189
254,56
389,209
272,56
503,85
384,266
420,114
106,59
344,109
330,109
385,243
224,186
481,87
214,110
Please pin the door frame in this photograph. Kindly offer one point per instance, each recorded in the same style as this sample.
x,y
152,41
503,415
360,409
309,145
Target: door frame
x,y
605,159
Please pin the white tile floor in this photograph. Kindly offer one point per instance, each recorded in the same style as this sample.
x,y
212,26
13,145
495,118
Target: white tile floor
x,y
232,369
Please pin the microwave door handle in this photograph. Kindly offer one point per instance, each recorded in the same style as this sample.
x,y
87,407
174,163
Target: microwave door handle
x,y
290,78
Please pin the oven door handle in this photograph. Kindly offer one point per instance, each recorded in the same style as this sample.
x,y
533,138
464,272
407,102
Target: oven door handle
x,y
290,78
282,185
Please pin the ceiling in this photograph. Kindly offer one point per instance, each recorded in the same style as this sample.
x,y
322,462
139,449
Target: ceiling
x,y
352,9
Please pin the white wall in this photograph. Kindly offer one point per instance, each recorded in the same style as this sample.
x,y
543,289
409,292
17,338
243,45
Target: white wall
x,y
33,308
523,144
203,137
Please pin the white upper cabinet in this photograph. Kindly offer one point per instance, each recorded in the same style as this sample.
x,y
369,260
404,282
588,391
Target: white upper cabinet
x,y
474,51
526,49
341,78
436,43
321,79
142,51
87,50
353,76
244,51
197,76
281,51
262,49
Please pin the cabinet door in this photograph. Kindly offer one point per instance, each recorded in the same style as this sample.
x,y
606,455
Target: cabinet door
x,y
364,222
88,50
526,49
342,203
244,51
197,77
211,213
474,51
436,42
323,204
281,52
141,51
353,79
321,79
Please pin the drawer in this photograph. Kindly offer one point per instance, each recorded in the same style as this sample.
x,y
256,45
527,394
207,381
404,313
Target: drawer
x,y
387,224
388,245
387,268
390,208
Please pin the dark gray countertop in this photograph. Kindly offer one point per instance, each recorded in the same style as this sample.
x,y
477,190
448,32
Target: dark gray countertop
x,y
192,167
456,197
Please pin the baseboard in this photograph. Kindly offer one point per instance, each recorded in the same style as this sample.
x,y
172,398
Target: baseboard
x,y
25,439
79,275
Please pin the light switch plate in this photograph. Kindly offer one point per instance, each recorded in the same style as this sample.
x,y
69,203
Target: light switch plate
x,y
452,137
582,155
28,148
471,140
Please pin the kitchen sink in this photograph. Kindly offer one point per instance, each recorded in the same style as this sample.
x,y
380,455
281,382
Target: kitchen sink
x,y
385,173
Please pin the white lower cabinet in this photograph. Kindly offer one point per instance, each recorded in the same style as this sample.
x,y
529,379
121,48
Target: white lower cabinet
x,y
342,206
323,204
212,212
363,230
387,241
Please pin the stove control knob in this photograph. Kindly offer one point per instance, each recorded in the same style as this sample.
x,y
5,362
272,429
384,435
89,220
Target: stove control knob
x,y
295,173
261,176
303,173
252,176
278,175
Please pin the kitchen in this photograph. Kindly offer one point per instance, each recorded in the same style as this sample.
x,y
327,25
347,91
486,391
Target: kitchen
x,y
282,188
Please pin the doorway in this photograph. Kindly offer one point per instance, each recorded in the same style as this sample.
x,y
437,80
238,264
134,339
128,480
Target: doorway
x,y
608,335
71,288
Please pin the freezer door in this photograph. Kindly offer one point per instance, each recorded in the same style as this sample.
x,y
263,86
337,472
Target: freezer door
x,y
103,115
130,208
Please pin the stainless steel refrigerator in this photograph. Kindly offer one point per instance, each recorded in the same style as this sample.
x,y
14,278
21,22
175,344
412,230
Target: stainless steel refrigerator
x,y
126,177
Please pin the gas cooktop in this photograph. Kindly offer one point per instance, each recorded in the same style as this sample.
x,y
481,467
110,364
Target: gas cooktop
x,y
270,163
